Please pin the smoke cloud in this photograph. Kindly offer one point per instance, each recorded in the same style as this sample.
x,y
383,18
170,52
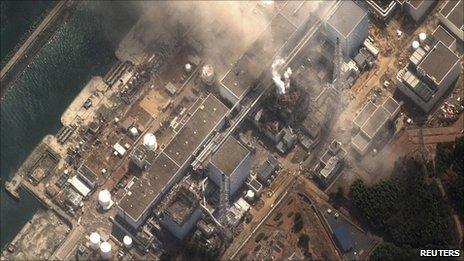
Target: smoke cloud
x,y
282,83
222,30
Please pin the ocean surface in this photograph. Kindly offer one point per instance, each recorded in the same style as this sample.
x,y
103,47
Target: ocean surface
x,y
16,18
82,47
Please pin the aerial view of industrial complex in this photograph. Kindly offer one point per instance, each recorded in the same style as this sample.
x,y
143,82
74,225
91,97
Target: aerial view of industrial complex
x,y
232,130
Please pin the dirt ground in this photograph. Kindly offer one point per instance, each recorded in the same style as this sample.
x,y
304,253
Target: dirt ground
x,y
154,102
278,239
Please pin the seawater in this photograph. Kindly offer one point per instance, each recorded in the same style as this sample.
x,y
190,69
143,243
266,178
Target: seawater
x,y
82,47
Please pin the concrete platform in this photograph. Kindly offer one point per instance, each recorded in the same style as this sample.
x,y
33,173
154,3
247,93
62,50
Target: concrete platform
x,y
93,90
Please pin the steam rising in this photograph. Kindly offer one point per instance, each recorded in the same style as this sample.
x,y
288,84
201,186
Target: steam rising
x,y
282,83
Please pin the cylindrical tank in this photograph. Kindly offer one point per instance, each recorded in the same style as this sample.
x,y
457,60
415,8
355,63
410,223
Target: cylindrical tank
x,y
207,74
94,240
105,250
250,195
149,140
134,132
127,241
415,45
188,67
104,199
422,37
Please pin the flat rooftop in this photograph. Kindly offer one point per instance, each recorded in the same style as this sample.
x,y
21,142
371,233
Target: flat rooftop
x,y
438,62
182,205
145,190
346,17
441,34
416,3
391,105
203,121
454,11
375,122
360,141
229,156
365,113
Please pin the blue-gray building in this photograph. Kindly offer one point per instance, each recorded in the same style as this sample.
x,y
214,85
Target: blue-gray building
x,y
349,23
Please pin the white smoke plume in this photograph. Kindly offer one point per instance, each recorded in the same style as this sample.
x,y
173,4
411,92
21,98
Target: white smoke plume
x,y
282,84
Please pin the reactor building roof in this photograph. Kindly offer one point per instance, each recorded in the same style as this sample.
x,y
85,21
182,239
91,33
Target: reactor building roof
x,y
229,156
181,206
346,17
438,62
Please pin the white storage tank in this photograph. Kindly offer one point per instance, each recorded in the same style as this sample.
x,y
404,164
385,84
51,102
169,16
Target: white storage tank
x,y
104,199
188,67
250,195
134,132
94,240
105,250
415,45
422,37
127,241
149,140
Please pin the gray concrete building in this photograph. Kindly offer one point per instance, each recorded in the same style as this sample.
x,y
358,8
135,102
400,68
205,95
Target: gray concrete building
x,y
349,23
232,159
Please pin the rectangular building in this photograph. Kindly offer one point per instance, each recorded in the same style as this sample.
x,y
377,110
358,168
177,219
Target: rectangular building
x,y
170,165
182,212
451,15
349,24
232,159
427,83
417,9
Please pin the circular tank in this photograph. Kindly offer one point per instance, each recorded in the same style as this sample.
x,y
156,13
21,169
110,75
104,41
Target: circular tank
x,y
207,74
127,241
149,140
188,67
422,36
250,195
94,240
105,250
415,45
134,132
104,198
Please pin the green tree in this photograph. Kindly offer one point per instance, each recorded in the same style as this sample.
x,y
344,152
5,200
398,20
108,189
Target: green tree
x,y
389,251
456,193
443,157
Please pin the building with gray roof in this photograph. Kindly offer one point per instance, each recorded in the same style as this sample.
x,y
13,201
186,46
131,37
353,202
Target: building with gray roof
x,y
349,24
232,159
